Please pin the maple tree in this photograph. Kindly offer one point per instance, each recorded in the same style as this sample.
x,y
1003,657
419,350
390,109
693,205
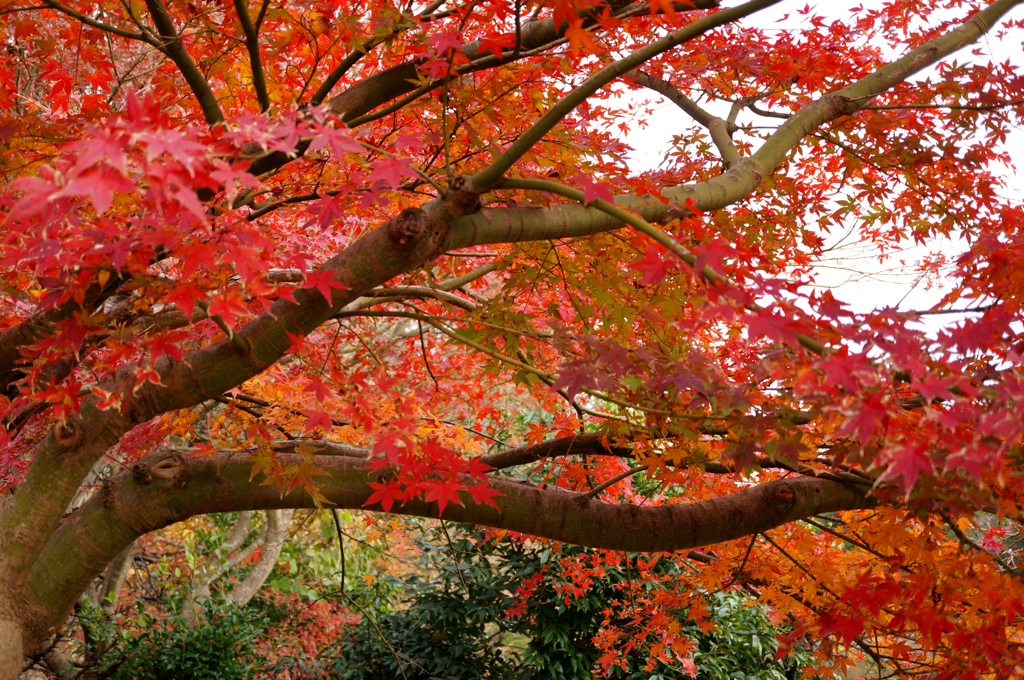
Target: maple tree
x,y
265,255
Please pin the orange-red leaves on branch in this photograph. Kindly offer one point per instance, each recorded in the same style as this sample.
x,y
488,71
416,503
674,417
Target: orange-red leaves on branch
x,y
190,234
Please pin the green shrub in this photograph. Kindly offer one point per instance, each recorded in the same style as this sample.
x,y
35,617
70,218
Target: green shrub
x,y
220,647
449,621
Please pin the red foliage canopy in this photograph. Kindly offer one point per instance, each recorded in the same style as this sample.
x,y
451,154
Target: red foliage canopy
x,y
396,256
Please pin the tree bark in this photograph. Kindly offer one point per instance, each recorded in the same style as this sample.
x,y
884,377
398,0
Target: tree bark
x,y
133,506
215,564
269,542
11,647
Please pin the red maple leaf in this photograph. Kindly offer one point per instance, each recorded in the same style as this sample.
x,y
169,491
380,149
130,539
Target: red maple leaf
x,y
909,463
592,190
338,139
317,418
574,377
846,626
324,282
443,491
653,265
865,417
163,345
386,493
483,494
444,41
391,170
496,45
229,305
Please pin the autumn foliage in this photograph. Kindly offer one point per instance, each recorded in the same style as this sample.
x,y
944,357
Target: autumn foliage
x,y
400,257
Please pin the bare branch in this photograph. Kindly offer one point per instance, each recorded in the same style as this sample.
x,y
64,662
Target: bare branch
x,y
381,294
492,174
948,107
580,444
721,130
270,549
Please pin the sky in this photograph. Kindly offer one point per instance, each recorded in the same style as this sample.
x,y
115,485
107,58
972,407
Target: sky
x,y
882,286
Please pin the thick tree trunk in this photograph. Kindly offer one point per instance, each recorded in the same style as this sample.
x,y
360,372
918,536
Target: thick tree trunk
x,y
12,654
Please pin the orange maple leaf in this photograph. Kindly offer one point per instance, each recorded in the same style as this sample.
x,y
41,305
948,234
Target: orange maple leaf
x,y
579,37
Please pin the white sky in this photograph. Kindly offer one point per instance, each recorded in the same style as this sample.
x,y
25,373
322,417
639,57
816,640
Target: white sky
x,y
883,287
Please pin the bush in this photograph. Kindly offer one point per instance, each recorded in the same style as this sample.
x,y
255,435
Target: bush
x,y
221,647
450,621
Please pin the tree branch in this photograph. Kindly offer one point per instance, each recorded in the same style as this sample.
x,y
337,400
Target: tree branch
x,y
580,444
95,23
422,292
721,130
214,565
270,550
948,107
20,336
252,44
172,46
344,66
492,174
391,84
567,221
177,488
113,579
67,453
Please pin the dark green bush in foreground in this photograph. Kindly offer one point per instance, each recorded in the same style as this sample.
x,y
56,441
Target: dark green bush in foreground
x,y
431,629
220,647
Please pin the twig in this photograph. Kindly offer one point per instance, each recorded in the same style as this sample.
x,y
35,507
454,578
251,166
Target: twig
x,y
455,559
341,546
593,493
